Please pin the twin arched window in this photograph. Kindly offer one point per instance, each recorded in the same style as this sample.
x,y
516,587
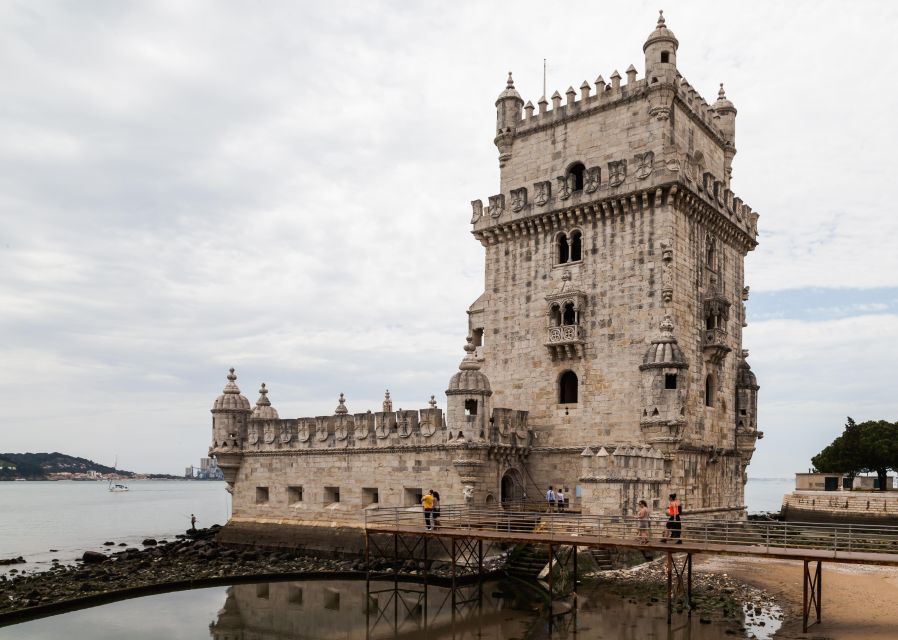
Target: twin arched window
x,y
570,249
563,315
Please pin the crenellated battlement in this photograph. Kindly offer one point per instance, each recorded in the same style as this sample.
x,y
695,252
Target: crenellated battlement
x,y
371,429
620,187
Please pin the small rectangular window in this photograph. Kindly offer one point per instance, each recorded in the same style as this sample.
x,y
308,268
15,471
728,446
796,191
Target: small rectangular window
x,y
331,495
478,337
670,381
332,599
294,594
294,495
370,495
412,496
665,57
261,495
743,412
262,591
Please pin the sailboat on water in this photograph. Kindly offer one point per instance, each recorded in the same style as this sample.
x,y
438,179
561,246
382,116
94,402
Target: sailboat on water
x,y
116,487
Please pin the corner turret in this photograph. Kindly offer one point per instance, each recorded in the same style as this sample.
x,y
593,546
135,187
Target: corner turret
x,y
660,50
230,413
727,125
664,390
509,108
264,410
467,398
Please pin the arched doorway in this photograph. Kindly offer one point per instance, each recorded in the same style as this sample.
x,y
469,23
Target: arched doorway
x,y
512,488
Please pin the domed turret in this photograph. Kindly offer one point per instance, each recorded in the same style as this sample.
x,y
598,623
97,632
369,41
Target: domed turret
x,y
727,124
230,413
660,50
509,106
664,389
468,397
230,398
664,351
264,410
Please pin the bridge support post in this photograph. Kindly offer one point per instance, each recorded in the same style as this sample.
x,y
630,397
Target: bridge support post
x,y
679,583
812,593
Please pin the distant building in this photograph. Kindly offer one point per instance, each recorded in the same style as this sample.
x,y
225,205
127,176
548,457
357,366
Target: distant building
x,y
815,481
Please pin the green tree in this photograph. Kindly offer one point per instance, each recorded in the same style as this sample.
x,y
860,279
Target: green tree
x,y
870,446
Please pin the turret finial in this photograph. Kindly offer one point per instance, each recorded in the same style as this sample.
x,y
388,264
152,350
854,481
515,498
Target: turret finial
x,y
469,362
721,95
432,402
263,400
341,407
231,386
388,404
231,375
509,84
660,18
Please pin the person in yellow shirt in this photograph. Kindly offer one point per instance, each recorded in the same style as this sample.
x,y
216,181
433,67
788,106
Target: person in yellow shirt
x,y
427,503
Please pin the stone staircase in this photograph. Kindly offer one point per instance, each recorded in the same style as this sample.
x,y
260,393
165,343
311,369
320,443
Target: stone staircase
x,y
527,561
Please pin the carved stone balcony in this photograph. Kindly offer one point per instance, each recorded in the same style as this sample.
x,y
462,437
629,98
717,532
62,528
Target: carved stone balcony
x,y
715,345
565,342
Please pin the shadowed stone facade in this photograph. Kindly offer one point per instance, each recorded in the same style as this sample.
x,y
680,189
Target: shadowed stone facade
x,y
605,354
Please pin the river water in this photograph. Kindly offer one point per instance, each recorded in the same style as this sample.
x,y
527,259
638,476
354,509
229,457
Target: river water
x,y
74,516
348,609
70,517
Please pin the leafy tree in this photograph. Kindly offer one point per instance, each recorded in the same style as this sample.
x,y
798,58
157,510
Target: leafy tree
x,y
870,446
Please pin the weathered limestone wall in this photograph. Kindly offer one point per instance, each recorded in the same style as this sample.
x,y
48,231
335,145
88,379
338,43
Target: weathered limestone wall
x,y
873,507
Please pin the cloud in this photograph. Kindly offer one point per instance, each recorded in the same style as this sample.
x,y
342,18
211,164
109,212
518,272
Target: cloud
x,y
284,188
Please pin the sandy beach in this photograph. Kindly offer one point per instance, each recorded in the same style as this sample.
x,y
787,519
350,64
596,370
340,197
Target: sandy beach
x,y
859,602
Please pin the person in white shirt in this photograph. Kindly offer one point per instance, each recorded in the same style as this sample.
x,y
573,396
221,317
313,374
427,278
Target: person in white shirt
x,y
550,498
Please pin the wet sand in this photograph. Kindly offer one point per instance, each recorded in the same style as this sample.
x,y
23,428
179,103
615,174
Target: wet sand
x,y
859,602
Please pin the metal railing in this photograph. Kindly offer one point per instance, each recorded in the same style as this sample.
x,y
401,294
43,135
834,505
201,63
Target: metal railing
x,y
533,518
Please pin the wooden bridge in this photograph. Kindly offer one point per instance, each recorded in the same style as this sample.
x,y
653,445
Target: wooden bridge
x,y
460,532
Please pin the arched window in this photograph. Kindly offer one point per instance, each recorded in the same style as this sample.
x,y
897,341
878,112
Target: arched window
x,y
567,388
577,170
555,314
709,390
564,250
576,246
569,316
470,407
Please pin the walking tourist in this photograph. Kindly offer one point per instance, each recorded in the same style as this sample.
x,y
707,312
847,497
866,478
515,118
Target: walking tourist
x,y
642,518
560,498
674,526
427,503
436,507
550,498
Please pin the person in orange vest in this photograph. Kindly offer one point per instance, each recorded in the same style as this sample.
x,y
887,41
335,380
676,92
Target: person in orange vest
x,y
674,526
427,503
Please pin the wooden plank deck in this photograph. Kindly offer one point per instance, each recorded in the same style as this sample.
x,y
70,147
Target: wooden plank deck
x,y
687,546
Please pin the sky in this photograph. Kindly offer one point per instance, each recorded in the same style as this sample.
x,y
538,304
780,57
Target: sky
x,y
284,187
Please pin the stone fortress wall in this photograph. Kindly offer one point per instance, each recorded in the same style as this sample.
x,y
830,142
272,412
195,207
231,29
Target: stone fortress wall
x,y
605,354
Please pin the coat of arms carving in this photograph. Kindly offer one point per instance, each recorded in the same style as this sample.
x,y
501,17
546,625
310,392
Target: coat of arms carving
x,y
286,434
497,205
617,172
565,186
644,164
543,192
518,199
592,179
476,210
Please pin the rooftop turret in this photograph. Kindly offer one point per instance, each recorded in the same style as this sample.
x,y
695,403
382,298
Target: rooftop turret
x,y
660,53
264,410
230,398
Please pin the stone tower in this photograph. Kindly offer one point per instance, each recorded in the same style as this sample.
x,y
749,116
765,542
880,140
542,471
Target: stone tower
x,y
614,217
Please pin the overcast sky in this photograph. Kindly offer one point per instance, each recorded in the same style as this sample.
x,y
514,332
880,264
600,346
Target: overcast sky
x,y
284,188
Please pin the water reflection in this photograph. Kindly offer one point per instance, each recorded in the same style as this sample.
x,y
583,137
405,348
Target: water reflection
x,y
381,610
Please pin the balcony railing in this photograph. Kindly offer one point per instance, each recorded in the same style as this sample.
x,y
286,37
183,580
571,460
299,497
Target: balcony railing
x,y
564,334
